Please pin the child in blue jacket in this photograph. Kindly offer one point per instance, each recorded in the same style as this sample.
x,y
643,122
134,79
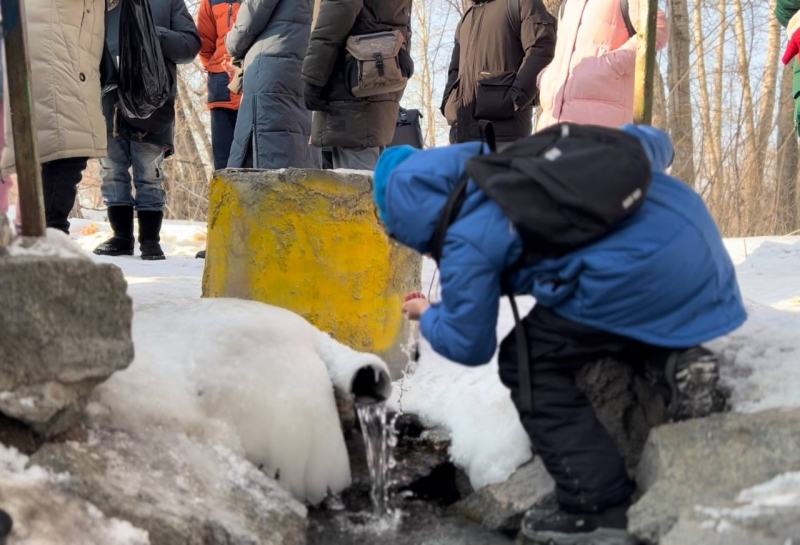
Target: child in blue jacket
x,y
651,291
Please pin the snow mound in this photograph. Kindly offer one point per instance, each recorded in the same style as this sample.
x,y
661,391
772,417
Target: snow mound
x,y
54,244
247,376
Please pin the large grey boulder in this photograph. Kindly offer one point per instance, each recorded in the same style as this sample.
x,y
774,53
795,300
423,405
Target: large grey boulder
x,y
709,462
66,327
43,514
734,526
179,490
501,506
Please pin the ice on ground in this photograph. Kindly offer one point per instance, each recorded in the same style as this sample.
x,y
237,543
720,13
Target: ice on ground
x,y
245,375
43,515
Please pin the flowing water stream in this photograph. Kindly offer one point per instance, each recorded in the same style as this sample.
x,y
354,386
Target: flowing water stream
x,y
379,440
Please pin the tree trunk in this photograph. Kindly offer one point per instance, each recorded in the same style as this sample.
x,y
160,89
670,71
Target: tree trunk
x,y
787,219
680,99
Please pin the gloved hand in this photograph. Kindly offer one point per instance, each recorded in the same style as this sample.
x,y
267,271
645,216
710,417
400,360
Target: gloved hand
x,y
313,95
792,48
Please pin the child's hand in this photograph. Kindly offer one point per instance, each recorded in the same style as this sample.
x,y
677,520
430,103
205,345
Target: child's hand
x,y
414,305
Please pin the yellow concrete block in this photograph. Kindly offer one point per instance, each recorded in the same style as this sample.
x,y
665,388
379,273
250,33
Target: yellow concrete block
x,y
309,241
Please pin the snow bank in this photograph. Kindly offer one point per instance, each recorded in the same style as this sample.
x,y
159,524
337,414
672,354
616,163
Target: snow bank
x,y
245,375
54,244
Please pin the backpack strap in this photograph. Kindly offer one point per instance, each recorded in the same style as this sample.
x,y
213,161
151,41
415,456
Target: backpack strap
x,y
514,17
626,17
523,354
449,213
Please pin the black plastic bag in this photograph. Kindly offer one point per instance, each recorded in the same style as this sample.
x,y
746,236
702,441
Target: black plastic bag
x,y
144,81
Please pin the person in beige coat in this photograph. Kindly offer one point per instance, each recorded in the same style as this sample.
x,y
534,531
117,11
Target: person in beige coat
x,y
65,43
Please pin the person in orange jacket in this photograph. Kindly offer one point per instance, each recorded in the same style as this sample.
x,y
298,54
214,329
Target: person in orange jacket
x,y
214,19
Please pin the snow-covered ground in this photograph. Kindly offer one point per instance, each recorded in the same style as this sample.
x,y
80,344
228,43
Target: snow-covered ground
x,y
762,358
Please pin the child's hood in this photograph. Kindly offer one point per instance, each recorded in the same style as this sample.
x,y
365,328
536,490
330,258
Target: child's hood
x,y
417,190
657,145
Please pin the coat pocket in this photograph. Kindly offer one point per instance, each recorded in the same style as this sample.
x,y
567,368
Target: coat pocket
x,y
218,90
593,78
493,100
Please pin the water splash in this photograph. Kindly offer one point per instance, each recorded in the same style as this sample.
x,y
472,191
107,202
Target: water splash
x,y
379,439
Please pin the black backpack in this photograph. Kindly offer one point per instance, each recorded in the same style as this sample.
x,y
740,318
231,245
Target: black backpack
x,y
562,188
408,130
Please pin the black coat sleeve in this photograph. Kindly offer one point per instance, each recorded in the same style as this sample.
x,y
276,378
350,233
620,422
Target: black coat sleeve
x,y
180,43
335,22
538,38
452,71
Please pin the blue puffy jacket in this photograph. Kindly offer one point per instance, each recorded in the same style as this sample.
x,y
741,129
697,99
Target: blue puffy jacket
x,y
663,277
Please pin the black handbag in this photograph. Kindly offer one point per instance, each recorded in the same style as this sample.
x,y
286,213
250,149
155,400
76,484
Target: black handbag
x,y
408,130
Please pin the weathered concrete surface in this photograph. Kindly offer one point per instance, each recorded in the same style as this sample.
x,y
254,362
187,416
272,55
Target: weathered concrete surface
x,y
310,241
624,404
66,326
501,506
177,489
43,514
708,462
6,233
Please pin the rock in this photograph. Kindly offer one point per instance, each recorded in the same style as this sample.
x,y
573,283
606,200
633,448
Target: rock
x,y
501,506
6,233
624,404
773,527
45,515
177,489
708,462
66,327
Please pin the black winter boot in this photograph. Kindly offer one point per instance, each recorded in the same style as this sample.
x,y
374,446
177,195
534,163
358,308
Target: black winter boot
x,y
149,229
607,527
201,254
121,220
689,382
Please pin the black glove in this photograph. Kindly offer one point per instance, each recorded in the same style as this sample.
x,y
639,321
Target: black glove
x,y
406,64
313,95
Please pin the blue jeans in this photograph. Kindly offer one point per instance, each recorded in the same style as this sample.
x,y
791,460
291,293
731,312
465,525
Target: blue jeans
x,y
148,176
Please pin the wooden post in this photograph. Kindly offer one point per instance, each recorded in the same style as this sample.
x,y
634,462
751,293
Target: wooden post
x,y
26,154
645,62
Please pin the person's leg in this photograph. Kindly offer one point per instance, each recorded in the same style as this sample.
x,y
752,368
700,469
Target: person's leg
x,y
356,158
223,125
118,197
60,179
148,178
576,449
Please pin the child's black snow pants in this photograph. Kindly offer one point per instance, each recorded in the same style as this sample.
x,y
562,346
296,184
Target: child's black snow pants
x,y
580,455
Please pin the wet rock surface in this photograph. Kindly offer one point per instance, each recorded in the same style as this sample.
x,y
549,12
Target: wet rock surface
x,y
177,489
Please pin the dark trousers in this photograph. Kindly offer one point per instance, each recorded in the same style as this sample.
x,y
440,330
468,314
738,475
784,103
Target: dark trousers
x,y
576,449
60,179
223,123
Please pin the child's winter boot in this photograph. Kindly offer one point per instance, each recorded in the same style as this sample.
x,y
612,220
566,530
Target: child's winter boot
x,y
559,527
689,381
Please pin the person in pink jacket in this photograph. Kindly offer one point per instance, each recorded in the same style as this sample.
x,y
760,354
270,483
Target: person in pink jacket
x,y
590,80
